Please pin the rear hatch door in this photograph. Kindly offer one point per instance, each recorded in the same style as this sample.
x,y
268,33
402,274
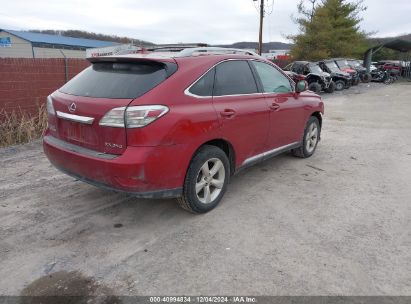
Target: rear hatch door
x,y
77,122
83,101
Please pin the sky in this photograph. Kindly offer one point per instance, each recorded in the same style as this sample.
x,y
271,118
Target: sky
x,y
174,21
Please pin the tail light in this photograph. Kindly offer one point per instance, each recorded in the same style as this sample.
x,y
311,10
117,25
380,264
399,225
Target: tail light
x,y
49,105
133,117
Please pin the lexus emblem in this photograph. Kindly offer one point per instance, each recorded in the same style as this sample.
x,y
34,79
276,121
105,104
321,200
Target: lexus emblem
x,y
72,107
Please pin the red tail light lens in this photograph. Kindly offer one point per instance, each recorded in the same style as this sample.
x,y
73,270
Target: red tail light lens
x,y
133,117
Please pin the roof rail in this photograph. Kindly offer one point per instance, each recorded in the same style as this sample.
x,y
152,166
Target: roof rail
x,y
214,50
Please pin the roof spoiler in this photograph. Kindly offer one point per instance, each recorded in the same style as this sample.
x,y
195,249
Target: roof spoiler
x,y
169,64
150,57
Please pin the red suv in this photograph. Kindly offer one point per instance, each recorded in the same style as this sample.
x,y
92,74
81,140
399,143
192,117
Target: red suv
x,y
156,125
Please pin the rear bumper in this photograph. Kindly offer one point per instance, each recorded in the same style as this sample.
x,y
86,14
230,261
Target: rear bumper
x,y
165,193
147,172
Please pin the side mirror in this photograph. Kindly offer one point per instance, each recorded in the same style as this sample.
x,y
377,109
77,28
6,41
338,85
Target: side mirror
x,y
301,86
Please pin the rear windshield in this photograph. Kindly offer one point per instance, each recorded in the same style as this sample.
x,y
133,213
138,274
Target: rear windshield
x,y
116,80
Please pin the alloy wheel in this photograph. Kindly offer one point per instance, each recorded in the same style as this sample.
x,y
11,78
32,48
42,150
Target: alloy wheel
x,y
311,137
210,180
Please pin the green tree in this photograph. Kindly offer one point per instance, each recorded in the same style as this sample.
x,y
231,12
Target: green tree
x,y
330,29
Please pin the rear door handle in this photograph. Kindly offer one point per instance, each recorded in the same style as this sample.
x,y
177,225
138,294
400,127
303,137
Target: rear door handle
x,y
227,113
274,106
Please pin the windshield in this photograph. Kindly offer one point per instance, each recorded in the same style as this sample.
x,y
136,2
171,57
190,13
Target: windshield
x,y
332,66
355,63
315,68
343,64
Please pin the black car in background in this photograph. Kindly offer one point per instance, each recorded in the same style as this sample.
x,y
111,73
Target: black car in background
x,y
345,67
317,79
342,79
361,70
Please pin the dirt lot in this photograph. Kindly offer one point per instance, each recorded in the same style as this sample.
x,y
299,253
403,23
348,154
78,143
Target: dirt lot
x,y
335,224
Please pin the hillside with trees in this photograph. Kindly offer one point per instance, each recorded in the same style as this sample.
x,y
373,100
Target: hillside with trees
x,y
91,35
380,40
311,46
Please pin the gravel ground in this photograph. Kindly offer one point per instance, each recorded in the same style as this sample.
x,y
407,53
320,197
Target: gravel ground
x,y
335,224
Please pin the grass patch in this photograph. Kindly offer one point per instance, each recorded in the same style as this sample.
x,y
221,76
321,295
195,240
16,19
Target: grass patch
x,y
18,127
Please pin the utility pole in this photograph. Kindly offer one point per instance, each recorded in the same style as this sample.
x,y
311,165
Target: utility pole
x,y
260,36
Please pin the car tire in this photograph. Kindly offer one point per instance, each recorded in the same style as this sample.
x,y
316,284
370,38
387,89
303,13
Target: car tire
x,y
339,85
205,184
315,87
366,78
388,80
331,87
311,138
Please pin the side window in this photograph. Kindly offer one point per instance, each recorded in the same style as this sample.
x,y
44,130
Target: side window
x,y
234,77
204,86
273,80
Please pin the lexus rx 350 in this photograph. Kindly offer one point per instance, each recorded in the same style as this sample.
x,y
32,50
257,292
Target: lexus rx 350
x,y
181,125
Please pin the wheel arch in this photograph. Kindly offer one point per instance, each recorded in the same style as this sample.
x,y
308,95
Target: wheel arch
x,y
313,78
228,149
319,116
224,145
336,78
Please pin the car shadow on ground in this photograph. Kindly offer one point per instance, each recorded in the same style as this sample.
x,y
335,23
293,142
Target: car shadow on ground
x,y
160,209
